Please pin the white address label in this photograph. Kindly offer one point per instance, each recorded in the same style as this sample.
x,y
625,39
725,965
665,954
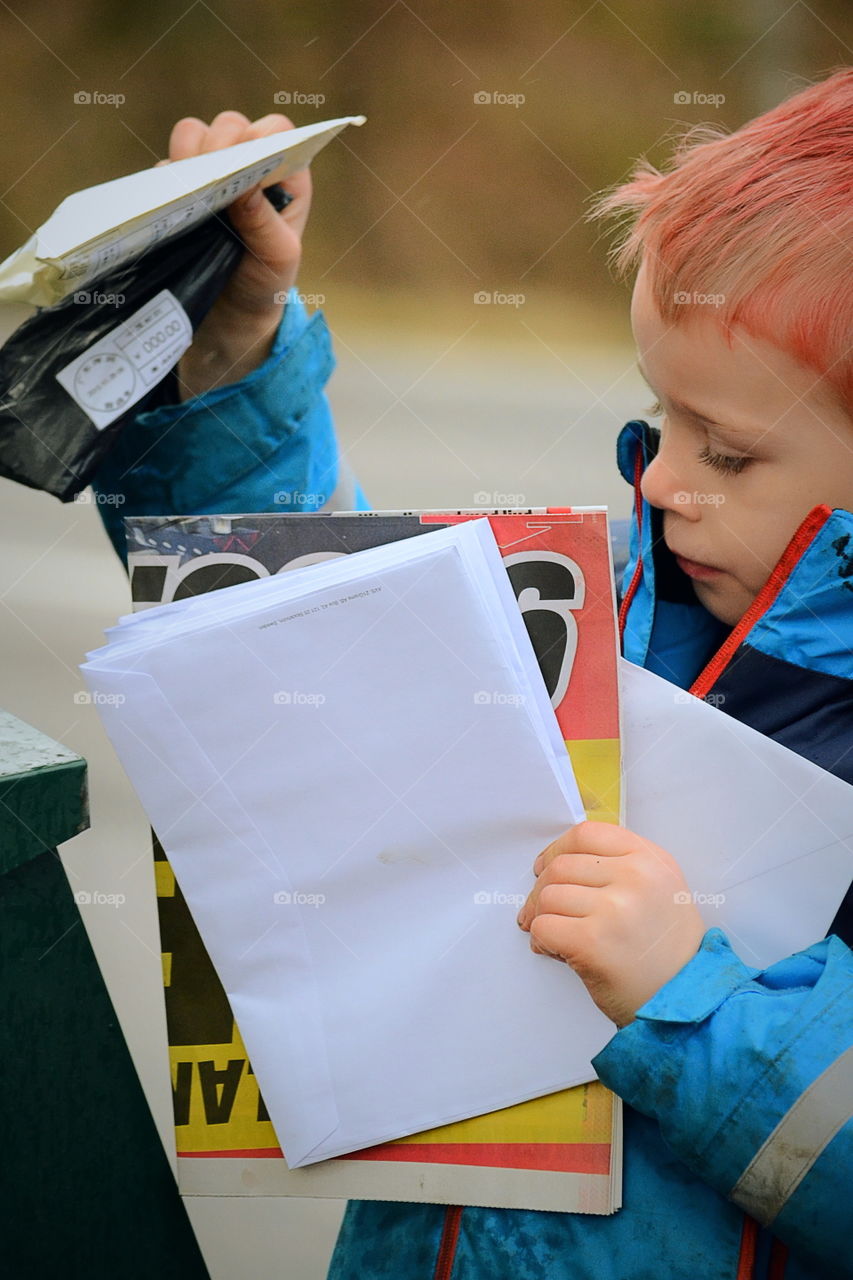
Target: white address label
x,y
117,371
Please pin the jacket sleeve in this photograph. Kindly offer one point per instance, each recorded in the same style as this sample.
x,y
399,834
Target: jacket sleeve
x,y
265,443
749,1074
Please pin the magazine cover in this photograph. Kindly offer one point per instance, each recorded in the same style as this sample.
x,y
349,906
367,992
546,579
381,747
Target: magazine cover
x,y
562,1152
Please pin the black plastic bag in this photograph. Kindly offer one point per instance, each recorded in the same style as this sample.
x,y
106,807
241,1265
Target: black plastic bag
x,y
47,440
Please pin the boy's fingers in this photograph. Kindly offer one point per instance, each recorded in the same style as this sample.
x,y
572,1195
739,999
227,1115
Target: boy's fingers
x,y
601,838
581,850
566,871
576,868
298,184
273,249
550,936
192,137
572,900
275,122
257,222
225,129
265,127
186,138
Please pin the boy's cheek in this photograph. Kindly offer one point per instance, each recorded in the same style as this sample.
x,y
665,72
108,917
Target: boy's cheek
x,y
727,601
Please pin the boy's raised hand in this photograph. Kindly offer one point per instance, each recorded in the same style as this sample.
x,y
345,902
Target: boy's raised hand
x,y
237,333
617,909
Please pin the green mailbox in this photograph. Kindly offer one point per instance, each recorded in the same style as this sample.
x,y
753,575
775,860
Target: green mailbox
x,y
86,1189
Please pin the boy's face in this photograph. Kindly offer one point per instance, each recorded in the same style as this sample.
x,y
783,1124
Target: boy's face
x,y
751,441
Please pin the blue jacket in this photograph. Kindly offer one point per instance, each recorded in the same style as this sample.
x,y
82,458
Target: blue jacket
x,y
738,1083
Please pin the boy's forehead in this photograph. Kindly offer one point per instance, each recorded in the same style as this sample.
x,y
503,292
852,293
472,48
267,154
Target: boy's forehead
x,y
641,293
647,323
697,335
723,376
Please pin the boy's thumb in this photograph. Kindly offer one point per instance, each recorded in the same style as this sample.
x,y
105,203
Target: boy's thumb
x,y
252,202
272,247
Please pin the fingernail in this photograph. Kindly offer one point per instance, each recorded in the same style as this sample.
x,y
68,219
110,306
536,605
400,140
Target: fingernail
x,y
253,202
537,866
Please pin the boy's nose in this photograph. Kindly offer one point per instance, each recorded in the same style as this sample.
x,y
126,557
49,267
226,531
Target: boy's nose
x,y
663,487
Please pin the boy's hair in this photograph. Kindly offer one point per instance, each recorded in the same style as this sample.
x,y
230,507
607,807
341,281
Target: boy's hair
x,y
763,217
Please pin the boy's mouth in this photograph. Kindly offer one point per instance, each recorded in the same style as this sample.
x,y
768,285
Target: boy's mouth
x,y
695,570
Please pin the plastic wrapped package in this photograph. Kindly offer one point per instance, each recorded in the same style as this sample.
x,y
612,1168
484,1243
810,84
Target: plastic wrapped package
x,y
122,275
73,374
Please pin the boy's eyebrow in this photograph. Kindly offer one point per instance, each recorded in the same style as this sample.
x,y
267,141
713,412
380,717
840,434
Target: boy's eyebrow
x,y
686,409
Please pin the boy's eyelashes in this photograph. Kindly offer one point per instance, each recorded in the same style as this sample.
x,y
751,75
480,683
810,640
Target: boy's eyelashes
x,y
728,464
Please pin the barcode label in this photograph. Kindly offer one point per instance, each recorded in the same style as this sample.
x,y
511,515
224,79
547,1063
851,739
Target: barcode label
x,y
117,371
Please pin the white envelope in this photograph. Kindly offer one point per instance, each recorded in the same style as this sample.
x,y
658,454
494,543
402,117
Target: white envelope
x,y
355,866
763,836
101,227
408,998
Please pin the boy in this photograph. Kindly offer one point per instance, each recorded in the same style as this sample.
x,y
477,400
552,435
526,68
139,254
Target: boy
x,y
738,1084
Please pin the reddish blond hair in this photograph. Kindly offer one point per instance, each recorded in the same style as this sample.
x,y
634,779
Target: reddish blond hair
x,y
763,217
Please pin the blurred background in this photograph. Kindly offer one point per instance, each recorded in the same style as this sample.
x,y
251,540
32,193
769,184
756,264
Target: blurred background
x,y
483,345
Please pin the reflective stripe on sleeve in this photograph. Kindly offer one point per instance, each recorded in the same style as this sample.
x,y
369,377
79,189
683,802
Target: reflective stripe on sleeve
x,y
781,1163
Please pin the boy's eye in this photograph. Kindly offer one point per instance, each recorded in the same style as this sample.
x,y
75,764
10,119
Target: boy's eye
x,y
728,464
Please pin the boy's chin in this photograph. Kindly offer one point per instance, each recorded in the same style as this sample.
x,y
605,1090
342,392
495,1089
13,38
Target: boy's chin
x,y
726,600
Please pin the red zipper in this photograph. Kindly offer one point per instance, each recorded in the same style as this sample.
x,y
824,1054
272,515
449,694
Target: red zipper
x,y
748,1248
748,1241
447,1247
804,535
745,1266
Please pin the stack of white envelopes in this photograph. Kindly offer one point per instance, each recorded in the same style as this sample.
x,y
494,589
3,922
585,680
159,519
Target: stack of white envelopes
x,y
351,768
